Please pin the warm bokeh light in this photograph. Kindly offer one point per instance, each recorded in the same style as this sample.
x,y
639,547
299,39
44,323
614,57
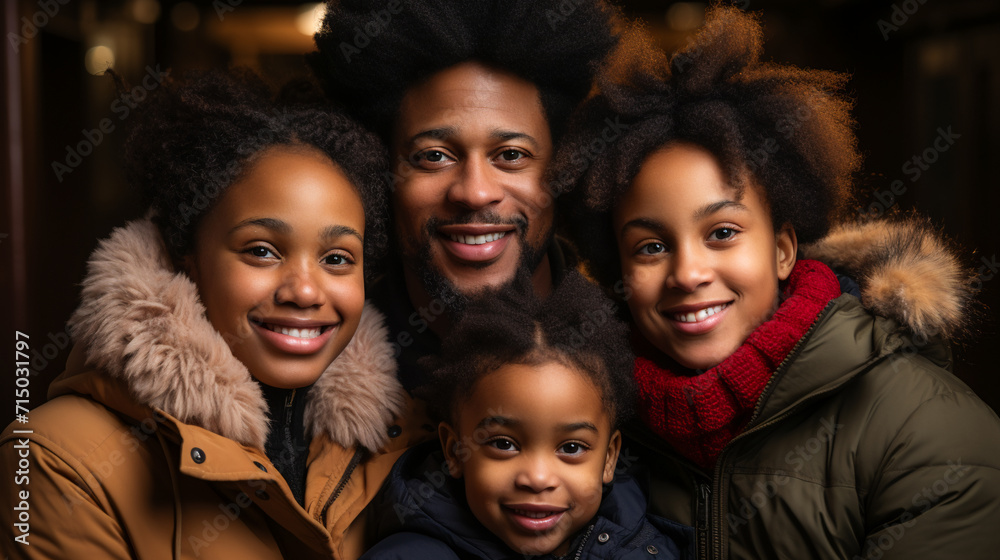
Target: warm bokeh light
x,y
98,59
310,18
146,11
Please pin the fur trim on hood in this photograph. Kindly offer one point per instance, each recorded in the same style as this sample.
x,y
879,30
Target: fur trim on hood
x,y
144,324
908,272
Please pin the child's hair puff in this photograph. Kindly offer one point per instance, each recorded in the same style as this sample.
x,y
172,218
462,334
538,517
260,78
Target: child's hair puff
x,y
576,326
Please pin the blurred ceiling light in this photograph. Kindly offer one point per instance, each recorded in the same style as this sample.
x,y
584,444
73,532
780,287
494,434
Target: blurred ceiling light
x,y
98,59
146,11
686,16
185,16
310,18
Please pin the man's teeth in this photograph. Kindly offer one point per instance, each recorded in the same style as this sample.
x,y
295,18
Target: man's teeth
x,y
297,333
477,239
700,315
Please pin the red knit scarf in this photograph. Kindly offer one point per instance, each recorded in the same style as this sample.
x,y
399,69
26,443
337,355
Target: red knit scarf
x,y
699,415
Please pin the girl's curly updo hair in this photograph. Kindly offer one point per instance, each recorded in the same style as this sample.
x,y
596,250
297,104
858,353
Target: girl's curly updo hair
x,y
576,326
195,137
782,128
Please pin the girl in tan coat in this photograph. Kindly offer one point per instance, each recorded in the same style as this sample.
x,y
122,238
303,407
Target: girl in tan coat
x,y
229,395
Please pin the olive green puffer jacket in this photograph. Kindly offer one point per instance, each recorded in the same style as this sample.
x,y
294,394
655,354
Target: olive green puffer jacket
x,y
862,445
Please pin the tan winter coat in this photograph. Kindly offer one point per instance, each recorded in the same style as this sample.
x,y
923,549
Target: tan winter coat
x,y
151,445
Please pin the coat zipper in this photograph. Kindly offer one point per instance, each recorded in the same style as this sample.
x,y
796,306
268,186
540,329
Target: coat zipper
x,y
583,543
704,518
784,363
355,461
287,427
288,407
717,480
716,507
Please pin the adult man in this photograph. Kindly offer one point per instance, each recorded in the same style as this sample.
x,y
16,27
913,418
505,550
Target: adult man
x,y
470,98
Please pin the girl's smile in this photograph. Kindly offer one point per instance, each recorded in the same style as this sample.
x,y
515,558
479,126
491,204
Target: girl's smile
x,y
293,335
697,318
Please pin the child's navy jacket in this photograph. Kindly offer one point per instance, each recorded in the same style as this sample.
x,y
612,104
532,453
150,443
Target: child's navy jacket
x,y
424,513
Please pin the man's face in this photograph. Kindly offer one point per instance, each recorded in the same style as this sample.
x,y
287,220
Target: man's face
x,y
470,206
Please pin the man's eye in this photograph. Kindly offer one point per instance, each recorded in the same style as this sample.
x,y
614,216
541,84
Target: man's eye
x,y
511,155
430,159
652,248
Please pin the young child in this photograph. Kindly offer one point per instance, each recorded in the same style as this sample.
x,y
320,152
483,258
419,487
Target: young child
x,y
780,417
532,394
228,396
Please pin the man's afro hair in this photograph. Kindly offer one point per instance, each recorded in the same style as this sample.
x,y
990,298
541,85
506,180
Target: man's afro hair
x,y
784,128
576,326
371,52
197,136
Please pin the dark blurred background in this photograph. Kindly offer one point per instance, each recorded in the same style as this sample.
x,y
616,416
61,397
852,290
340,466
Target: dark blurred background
x,y
919,67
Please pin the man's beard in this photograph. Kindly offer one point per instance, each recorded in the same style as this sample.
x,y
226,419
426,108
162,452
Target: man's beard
x,y
444,290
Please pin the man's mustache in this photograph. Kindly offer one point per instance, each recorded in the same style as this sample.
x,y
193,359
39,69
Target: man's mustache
x,y
520,223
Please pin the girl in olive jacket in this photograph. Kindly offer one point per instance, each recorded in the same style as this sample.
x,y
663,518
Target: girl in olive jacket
x,y
781,416
227,396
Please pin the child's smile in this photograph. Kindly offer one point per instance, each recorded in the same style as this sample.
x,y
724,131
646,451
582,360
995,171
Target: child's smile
x,y
534,445
278,263
701,260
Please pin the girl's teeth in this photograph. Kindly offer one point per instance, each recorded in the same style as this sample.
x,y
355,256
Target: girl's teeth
x,y
700,315
477,239
297,333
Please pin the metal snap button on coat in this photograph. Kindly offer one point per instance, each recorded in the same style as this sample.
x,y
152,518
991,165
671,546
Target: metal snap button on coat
x,y
652,549
603,537
394,431
197,455
260,466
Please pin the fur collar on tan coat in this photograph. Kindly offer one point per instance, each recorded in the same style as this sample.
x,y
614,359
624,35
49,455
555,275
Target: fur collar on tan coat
x,y
907,270
143,323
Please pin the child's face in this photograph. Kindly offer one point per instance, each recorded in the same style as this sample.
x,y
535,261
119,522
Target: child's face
x,y
278,265
534,445
703,266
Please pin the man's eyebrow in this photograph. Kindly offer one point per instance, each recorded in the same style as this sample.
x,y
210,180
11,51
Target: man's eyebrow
x,y
274,224
507,135
714,207
331,232
433,133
